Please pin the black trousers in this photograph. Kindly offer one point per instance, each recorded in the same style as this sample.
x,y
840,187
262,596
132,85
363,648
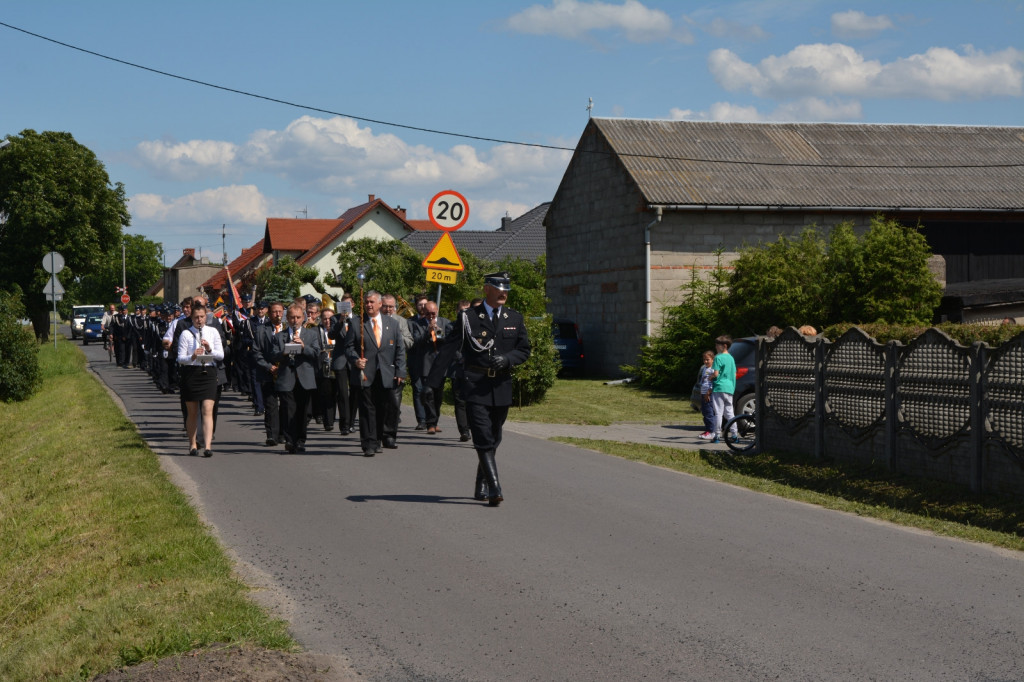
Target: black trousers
x,y
333,397
431,399
293,413
271,410
485,424
376,403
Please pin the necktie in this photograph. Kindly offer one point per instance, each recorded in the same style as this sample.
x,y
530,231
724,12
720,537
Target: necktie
x,y
277,328
376,331
494,316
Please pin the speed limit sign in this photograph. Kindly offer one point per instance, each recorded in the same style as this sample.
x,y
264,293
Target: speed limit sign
x,y
448,210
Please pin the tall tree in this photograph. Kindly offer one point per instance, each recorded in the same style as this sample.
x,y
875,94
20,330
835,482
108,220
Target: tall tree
x,y
143,265
55,195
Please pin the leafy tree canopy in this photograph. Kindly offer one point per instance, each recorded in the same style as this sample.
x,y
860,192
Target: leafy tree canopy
x,y
55,195
143,266
282,280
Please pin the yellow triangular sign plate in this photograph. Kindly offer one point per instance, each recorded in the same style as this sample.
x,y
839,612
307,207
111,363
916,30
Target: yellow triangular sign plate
x,y
444,256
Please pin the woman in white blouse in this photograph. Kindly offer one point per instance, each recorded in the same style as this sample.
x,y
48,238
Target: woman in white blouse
x,y
199,347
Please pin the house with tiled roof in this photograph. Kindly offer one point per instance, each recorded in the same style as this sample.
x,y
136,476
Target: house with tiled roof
x,y
643,204
252,259
310,242
522,237
186,276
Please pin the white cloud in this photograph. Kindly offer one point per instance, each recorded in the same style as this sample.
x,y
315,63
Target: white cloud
x,y
806,109
188,160
232,204
852,24
839,70
576,20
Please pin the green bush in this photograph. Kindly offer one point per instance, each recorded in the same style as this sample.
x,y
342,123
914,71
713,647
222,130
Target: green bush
x,y
964,334
19,352
532,379
670,360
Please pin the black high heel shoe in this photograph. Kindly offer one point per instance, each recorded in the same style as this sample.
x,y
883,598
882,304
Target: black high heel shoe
x,y
193,452
207,453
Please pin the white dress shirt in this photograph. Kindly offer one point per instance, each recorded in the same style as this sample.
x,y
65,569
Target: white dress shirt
x,y
189,340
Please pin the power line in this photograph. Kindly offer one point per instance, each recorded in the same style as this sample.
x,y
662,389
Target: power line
x,y
480,138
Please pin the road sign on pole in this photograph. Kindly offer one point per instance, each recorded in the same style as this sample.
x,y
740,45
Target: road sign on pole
x,y
126,299
448,210
53,262
444,255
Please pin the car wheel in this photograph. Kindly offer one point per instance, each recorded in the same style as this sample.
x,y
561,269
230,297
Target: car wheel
x,y
747,404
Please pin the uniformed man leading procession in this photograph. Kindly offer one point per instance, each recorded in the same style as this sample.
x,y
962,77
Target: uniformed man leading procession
x,y
481,346
493,340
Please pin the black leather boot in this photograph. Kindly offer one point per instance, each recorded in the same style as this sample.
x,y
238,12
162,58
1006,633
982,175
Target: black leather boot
x,y
480,491
494,497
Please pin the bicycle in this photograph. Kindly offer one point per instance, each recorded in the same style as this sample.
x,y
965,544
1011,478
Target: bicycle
x,y
108,345
746,428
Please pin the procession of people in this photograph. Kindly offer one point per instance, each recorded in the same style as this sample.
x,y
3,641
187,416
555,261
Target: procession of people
x,y
336,365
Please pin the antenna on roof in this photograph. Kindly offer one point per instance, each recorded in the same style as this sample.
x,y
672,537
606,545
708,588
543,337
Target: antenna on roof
x,y
590,106
304,212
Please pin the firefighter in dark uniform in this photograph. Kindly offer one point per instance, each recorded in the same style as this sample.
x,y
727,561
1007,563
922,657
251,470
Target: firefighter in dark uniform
x,y
120,329
493,340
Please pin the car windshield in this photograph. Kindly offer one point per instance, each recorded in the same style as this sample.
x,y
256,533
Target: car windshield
x,y
93,318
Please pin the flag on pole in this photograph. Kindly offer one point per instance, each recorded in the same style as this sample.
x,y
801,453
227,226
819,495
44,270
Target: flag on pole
x,y
235,298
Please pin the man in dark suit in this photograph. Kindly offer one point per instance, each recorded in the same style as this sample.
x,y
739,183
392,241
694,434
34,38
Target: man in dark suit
x,y
430,331
265,370
493,340
332,370
377,359
297,349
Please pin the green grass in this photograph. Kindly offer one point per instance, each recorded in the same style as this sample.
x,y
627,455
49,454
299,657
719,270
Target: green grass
x,y
942,508
590,401
103,562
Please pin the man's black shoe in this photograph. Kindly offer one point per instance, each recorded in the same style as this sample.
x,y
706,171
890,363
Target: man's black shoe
x,y
368,453
421,427
289,448
271,441
390,444
301,447
464,437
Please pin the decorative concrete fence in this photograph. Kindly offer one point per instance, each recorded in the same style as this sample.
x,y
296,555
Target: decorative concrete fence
x,y
931,408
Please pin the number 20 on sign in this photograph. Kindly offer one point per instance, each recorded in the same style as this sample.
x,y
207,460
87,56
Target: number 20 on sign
x,y
441,276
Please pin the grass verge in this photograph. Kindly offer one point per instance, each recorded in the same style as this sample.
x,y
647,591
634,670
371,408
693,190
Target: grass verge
x,y
942,508
103,561
590,401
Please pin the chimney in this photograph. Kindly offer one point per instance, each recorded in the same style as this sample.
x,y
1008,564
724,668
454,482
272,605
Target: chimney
x,y
505,222
191,253
372,197
400,211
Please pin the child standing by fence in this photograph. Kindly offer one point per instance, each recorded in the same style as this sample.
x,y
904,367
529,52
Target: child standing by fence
x,y
707,408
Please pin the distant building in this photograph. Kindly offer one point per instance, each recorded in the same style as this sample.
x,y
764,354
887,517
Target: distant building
x,y
521,238
644,204
252,259
186,277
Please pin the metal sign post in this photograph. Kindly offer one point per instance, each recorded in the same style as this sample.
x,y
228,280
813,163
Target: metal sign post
x,y
53,263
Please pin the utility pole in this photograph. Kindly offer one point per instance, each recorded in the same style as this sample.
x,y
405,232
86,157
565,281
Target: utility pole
x,y
223,246
124,278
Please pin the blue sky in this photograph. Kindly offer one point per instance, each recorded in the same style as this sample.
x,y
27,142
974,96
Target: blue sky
x,y
193,158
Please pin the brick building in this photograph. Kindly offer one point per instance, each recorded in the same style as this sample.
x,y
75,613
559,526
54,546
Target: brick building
x,y
643,203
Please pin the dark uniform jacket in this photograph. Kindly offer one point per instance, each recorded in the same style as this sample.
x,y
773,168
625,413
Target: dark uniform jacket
x,y
262,351
425,349
481,339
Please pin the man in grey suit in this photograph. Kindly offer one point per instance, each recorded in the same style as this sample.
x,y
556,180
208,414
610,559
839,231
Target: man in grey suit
x,y
376,355
264,372
297,349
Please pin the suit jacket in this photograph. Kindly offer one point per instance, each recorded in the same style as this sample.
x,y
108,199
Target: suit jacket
x,y
260,355
299,368
388,360
339,333
425,350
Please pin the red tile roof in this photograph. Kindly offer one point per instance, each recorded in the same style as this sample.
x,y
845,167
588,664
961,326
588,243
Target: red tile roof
x,y
296,234
421,225
237,267
345,222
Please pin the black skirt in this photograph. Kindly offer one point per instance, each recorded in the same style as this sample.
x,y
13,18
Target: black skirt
x,y
198,383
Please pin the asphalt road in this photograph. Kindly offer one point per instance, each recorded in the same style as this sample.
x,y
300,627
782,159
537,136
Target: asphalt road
x,y
595,568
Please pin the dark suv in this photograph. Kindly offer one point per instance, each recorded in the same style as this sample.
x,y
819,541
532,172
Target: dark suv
x,y
569,343
744,353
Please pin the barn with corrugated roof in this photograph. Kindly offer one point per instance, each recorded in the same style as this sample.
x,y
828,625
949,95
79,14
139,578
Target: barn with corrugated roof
x,y
643,203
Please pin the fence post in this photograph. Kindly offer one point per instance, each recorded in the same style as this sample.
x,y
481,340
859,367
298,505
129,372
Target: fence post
x,y
819,398
891,426
759,410
977,419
